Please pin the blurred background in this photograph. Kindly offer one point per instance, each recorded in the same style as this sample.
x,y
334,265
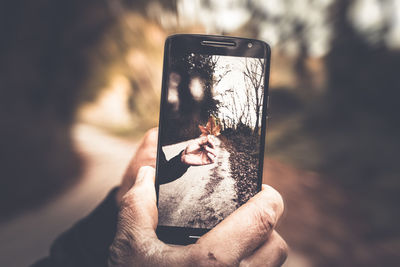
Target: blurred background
x,y
80,84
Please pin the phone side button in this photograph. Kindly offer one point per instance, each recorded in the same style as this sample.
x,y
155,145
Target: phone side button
x,y
194,236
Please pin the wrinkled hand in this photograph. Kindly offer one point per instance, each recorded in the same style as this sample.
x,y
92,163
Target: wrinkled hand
x,y
246,238
200,151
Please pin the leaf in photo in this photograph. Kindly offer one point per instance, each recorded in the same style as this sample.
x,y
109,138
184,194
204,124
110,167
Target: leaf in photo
x,y
211,127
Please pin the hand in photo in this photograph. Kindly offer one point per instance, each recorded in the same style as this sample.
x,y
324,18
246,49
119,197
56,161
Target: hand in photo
x,y
200,151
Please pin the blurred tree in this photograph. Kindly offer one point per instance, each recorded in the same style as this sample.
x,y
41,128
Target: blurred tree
x,y
359,119
50,52
254,73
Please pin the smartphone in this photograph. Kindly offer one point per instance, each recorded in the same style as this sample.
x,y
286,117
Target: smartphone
x,y
211,131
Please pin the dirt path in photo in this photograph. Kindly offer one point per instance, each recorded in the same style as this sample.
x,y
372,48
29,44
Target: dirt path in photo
x,y
203,196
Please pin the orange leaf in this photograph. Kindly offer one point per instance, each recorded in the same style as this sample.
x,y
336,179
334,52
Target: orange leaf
x,y
209,124
204,131
217,130
211,127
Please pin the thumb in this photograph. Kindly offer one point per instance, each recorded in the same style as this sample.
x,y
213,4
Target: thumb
x,y
139,204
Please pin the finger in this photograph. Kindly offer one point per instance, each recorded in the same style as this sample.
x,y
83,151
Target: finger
x,y
139,203
245,229
145,156
211,141
151,137
210,150
272,253
147,151
146,176
211,157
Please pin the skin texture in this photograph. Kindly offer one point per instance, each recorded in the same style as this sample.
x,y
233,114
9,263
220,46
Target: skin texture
x,y
245,238
200,151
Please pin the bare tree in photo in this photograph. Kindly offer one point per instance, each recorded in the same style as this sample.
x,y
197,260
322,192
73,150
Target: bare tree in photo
x,y
239,101
254,73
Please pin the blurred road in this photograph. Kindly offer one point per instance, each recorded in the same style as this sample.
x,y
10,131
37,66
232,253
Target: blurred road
x,y
27,237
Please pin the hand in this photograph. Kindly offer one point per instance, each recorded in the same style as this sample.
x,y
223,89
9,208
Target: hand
x,y
145,155
200,151
246,238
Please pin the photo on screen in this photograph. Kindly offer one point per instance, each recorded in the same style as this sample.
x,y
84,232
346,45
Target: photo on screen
x,y
210,138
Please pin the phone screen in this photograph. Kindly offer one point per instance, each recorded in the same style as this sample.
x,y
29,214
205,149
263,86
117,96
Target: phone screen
x,y
211,139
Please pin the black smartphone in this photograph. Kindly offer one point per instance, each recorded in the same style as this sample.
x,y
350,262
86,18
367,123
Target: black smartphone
x,y
211,131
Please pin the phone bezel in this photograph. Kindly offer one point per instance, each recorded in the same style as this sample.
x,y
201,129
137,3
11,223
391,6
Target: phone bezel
x,y
193,43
